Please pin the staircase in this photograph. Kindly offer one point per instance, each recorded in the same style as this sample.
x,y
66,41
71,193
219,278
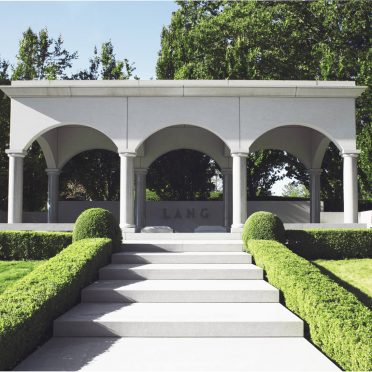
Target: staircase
x,y
179,305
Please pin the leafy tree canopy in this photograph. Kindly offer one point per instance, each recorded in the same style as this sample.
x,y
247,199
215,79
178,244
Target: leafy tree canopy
x,y
326,40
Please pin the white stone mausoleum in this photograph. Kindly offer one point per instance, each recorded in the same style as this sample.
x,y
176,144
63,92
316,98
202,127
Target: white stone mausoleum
x,y
142,120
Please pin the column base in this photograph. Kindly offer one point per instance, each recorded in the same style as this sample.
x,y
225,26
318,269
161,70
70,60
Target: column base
x,y
237,228
128,228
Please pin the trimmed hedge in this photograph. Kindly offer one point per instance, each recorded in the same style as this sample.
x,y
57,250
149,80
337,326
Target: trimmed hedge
x,y
29,245
339,324
331,243
264,226
97,223
28,308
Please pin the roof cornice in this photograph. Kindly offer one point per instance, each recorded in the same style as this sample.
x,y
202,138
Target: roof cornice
x,y
182,88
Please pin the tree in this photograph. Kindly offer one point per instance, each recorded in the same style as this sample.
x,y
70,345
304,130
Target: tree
x,y
39,57
95,173
295,190
190,179
105,66
104,165
4,134
276,40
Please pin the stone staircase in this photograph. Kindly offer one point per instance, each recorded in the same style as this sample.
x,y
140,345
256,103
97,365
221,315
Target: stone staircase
x,y
179,305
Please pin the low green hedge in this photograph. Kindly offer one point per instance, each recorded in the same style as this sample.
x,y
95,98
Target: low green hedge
x,y
97,223
28,308
339,324
264,226
29,245
331,243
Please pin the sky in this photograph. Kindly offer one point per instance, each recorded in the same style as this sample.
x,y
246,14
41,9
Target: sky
x,y
134,28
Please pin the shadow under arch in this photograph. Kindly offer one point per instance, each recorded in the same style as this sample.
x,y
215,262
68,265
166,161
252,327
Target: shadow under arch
x,y
183,175
304,142
62,143
178,137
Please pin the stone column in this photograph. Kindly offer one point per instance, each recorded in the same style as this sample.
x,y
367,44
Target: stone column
x,y
227,196
315,194
239,181
15,191
127,191
350,187
140,175
53,194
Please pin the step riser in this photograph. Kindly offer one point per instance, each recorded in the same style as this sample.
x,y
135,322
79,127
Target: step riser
x,y
133,274
168,259
188,329
174,247
93,295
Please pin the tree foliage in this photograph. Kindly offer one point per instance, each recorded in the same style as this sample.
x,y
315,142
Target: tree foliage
x,y
182,175
326,40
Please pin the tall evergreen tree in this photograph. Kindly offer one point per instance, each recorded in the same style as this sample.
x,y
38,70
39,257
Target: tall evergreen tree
x,y
319,39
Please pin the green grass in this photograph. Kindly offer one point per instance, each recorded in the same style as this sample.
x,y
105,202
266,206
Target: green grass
x,y
11,271
354,274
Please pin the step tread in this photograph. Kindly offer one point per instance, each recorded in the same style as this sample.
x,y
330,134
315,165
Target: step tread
x,y
182,285
182,266
157,254
173,354
179,312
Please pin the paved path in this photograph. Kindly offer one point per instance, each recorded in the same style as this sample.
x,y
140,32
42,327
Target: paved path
x,y
196,305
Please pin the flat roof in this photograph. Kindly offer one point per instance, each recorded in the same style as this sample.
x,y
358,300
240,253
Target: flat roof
x,y
182,88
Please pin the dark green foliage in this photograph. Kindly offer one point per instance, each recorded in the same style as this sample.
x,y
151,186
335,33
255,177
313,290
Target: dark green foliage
x,y
29,307
263,226
333,244
339,324
182,175
30,245
97,223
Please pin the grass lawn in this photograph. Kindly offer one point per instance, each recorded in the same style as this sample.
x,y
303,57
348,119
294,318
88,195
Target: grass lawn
x,y
355,275
10,271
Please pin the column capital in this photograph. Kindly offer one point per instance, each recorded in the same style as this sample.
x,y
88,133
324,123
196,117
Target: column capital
x,y
240,154
315,171
226,171
51,171
142,171
16,153
127,154
350,154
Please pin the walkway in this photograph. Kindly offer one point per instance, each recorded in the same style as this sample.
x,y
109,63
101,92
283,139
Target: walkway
x,y
191,305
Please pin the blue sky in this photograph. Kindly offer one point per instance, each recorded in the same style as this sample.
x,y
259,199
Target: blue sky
x,y
133,26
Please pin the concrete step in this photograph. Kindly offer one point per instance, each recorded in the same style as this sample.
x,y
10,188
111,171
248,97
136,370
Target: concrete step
x,y
180,291
182,236
181,257
180,271
177,354
178,320
183,246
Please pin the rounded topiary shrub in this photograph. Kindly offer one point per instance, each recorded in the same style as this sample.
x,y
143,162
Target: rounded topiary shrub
x,y
97,223
263,226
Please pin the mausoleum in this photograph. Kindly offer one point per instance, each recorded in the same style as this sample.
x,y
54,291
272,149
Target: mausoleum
x,y
141,120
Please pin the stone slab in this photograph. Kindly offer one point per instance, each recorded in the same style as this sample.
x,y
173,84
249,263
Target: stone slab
x,y
177,354
180,271
178,320
180,291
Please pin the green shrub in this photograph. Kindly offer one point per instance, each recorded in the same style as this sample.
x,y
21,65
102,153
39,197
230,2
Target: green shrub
x,y
339,324
331,243
29,307
29,245
97,223
263,226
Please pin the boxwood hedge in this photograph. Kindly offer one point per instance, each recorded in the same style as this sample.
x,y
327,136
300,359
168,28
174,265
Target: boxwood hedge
x,y
30,245
331,243
338,323
28,308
